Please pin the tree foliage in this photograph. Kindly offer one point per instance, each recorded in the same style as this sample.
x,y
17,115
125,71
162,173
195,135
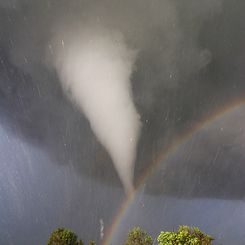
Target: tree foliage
x,y
63,236
136,236
184,236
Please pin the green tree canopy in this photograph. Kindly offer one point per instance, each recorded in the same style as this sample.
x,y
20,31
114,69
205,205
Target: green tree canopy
x,y
63,236
184,236
136,236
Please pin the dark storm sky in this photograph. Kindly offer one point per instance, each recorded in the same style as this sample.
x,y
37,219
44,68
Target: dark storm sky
x,y
190,61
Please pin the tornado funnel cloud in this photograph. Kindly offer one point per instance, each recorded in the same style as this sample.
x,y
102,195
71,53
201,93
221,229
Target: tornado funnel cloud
x,y
95,69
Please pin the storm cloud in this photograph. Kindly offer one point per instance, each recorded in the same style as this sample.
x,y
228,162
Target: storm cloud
x,y
180,72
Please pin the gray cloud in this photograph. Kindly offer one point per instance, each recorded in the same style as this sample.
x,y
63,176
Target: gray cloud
x,y
186,65
210,163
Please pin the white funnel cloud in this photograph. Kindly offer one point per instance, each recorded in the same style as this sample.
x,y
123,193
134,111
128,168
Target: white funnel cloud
x,y
95,67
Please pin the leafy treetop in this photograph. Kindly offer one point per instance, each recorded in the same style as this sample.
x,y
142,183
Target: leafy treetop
x,y
184,236
136,236
63,236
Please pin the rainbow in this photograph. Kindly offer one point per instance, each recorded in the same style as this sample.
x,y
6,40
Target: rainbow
x,y
170,149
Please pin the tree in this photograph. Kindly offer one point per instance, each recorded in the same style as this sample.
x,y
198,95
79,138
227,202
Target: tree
x,y
63,236
136,236
184,236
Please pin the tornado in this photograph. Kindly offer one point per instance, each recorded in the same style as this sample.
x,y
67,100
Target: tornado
x,y
95,66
